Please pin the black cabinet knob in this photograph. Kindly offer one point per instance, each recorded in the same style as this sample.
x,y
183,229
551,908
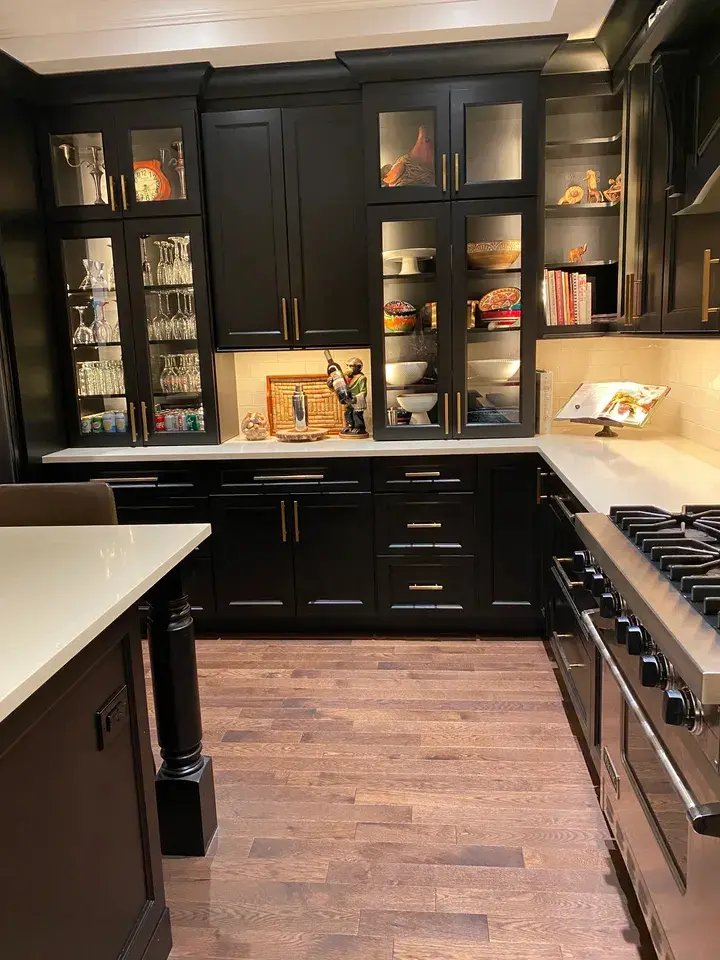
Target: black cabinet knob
x,y
653,670
581,559
609,606
622,625
677,711
638,641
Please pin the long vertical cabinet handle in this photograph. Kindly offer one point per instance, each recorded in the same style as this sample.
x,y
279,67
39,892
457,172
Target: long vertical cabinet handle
x,y
459,412
444,173
706,309
111,192
296,317
283,521
133,425
283,308
143,417
447,414
296,521
123,191
628,299
457,173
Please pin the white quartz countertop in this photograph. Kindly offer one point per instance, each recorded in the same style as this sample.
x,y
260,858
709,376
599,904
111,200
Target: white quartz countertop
x,y
62,586
633,468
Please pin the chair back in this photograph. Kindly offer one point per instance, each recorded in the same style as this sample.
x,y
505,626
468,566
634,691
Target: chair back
x,y
56,504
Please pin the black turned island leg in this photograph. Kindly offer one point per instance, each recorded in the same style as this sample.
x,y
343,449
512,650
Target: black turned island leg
x,y
184,785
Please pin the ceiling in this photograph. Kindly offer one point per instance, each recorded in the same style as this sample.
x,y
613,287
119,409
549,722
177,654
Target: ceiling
x,y
99,34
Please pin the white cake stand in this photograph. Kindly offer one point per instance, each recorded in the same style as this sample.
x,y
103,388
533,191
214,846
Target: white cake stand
x,y
408,258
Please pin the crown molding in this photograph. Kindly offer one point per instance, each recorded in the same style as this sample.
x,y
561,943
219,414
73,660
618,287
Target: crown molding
x,y
126,83
309,76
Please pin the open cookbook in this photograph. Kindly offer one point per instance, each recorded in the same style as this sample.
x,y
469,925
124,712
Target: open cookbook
x,y
623,402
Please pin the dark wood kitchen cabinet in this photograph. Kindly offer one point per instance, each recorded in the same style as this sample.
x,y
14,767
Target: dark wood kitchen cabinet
x,y
286,219
452,140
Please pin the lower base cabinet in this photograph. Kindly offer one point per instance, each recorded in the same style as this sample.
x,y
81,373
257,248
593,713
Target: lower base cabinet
x,y
413,590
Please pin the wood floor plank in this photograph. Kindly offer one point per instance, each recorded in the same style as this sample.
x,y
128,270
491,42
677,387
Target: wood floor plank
x,y
395,799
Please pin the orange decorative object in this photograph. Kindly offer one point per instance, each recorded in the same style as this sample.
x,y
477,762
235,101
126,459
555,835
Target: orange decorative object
x,y
593,194
504,298
413,168
150,181
577,253
572,195
614,191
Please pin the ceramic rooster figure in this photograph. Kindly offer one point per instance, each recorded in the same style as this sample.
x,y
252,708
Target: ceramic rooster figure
x,y
414,168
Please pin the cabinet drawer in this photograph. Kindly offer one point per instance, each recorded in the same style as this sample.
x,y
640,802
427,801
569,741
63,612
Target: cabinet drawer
x,y
449,472
344,476
128,480
445,586
436,522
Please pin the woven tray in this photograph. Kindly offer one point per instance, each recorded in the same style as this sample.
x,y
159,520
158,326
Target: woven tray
x,y
324,410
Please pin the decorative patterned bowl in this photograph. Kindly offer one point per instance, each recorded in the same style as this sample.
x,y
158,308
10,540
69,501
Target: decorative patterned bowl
x,y
399,316
492,254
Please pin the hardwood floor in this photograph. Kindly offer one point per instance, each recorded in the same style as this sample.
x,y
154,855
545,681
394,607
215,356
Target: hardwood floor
x,y
395,800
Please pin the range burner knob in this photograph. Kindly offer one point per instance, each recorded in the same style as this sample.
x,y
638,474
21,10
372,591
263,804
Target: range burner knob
x,y
654,671
679,708
638,641
588,576
581,559
622,625
609,605
598,584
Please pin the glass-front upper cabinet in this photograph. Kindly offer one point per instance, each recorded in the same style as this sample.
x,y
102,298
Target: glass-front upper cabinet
x,y
172,329
410,320
495,295
112,161
104,404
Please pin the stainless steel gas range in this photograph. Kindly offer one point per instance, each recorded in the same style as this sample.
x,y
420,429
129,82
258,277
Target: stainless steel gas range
x,y
654,583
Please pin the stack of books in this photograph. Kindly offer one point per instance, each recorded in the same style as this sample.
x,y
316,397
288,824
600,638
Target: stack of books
x,y
568,297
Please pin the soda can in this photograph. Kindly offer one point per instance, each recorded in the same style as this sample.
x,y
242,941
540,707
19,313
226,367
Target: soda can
x,y
192,421
160,425
171,422
200,420
108,422
96,423
182,421
86,424
120,421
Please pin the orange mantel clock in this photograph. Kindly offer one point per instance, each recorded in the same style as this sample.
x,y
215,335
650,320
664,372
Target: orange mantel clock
x,y
150,181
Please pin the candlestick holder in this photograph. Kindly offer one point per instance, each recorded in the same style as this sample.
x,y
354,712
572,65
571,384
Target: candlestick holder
x,y
94,164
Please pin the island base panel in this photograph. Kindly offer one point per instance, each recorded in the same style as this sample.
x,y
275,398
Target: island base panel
x,y
187,812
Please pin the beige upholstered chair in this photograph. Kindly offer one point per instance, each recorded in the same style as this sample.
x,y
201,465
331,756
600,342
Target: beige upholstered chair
x,y
56,504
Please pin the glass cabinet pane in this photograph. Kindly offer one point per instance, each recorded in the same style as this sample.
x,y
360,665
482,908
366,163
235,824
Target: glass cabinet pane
x,y
158,165
407,148
410,323
171,328
493,320
78,166
94,323
493,142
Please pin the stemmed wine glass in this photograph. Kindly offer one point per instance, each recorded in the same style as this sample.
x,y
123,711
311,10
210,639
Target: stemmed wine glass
x,y
83,334
100,328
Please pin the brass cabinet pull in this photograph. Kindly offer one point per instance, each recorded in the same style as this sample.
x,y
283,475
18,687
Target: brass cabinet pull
x,y
444,172
447,414
296,318
283,307
434,587
540,475
126,479
143,414
291,476
133,426
705,308
283,522
111,192
457,173
123,191
423,526
459,412
561,653
297,521
628,296
421,473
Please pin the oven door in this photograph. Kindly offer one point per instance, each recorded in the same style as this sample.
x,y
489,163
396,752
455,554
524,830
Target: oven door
x,y
662,826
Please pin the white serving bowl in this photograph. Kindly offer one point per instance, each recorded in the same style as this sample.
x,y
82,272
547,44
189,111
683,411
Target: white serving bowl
x,y
403,374
493,371
418,405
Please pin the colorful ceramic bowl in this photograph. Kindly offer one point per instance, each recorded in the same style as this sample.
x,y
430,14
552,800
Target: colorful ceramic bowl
x,y
492,254
504,298
399,316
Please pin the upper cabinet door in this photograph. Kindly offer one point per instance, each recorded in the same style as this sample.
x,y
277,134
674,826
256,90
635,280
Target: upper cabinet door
x,y
80,168
407,143
158,157
494,137
327,234
247,227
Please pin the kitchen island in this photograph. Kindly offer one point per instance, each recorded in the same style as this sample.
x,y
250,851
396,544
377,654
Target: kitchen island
x,y
80,872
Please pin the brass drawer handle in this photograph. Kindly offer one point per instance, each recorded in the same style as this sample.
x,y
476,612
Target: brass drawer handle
x,y
296,317
111,192
123,191
291,476
423,526
143,414
283,521
434,587
705,308
125,479
422,473
297,521
459,412
283,307
133,426
444,172
457,173
447,414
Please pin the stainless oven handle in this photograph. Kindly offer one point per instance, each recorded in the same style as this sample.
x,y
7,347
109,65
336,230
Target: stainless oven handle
x,y
560,503
567,582
557,637
704,818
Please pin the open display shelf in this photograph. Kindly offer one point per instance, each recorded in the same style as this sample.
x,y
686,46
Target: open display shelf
x,y
567,210
588,147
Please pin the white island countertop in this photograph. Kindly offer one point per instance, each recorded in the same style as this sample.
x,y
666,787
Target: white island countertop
x,y
634,468
60,587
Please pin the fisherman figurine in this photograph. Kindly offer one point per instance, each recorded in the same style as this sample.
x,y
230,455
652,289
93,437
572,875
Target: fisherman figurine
x,y
352,394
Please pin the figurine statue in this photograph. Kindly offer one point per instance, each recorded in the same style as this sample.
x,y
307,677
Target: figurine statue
x,y
614,191
593,194
351,390
572,195
576,254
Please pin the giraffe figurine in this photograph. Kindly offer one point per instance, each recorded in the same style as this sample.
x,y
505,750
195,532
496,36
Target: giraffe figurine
x,y
594,195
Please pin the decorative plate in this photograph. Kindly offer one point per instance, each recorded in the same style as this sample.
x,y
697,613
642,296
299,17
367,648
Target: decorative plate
x,y
503,298
150,182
